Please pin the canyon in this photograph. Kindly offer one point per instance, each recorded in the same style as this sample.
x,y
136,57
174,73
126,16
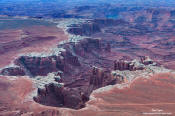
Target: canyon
x,y
81,67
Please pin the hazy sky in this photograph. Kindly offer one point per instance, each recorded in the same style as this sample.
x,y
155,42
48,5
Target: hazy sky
x,y
151,2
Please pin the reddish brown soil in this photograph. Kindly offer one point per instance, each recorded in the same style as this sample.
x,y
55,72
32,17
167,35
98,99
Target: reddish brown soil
x,y
12,99
158,45
143,96
43,38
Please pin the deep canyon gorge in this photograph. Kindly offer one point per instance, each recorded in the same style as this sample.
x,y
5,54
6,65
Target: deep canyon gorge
x,y
81,67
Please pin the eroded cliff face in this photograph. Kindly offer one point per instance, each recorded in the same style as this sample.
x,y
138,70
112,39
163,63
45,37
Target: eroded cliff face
x,y
34,66
44,65
91,27
54,95
125,65
101,78
15,71
107,53
74,95
70,70
64,61
84,29
81,67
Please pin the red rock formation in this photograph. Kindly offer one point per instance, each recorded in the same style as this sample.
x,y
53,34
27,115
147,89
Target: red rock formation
x,y
109,22
121,65
146,60
97,78
73,96
133,100
87,46
120,79
38,65
101,78
43,65
127,65
26,40
141,37
17,71
85,29
54,95
14,99
108,47
130,101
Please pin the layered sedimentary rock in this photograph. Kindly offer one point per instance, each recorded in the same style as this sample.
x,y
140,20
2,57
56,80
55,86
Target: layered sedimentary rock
x,y
78,78
24,42
54,95
91,27
67,78
146,60
87,45
44,65
128,65
109,22
101,78
73,87
132,99
36,39
65,61
72,96
84,29
33,66
15,71
134,64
